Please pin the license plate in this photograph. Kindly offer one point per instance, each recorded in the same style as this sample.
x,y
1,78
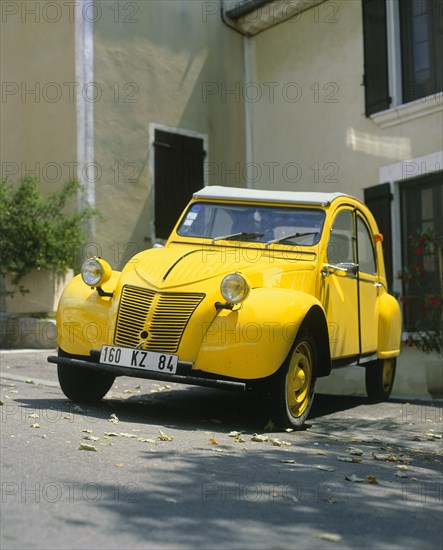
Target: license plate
x,y
139,359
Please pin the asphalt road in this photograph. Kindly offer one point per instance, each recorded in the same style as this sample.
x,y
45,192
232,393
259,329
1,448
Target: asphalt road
x,y
167,472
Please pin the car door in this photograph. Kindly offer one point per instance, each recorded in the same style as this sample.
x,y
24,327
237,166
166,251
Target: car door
x,y
368,287
339,293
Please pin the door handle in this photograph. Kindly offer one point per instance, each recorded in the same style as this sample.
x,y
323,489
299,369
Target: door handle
x,y
377,284
343,269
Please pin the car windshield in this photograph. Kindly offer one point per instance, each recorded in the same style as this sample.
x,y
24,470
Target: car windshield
x,y
251,223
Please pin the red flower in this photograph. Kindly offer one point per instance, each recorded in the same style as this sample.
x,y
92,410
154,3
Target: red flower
x,y
419,250
434,301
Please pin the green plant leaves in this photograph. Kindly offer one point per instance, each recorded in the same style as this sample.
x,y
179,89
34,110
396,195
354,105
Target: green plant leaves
x,y
40,231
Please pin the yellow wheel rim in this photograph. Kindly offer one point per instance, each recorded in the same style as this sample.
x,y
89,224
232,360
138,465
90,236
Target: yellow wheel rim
x,y
299,380
388,374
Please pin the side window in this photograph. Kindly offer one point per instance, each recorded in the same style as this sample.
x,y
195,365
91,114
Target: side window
x,y
366,256
340,246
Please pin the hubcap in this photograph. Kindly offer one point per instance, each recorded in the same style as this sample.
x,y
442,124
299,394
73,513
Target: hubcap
x,y
299,380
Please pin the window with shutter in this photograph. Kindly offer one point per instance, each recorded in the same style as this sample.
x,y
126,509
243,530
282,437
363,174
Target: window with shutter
x,y
421,212
179,172
375,56
403,51
378,199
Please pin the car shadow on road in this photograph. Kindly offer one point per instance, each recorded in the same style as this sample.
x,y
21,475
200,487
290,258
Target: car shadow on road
x,y
189,407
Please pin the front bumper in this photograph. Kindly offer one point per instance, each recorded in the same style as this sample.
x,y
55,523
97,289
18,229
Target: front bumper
x,y
185,375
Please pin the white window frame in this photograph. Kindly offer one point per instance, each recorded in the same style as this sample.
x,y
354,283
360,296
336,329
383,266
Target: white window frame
x,y
400,112
397,174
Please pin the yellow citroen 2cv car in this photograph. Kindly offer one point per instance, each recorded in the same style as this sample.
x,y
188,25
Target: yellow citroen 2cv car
x,y
253,289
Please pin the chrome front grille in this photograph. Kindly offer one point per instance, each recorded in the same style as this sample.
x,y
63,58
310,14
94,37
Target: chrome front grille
x,y
158,319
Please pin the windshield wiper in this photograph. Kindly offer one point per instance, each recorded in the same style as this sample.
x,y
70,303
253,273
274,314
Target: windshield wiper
x,y
293,236
242,234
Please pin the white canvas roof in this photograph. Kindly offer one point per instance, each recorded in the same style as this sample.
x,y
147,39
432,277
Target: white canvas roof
x,y
260,195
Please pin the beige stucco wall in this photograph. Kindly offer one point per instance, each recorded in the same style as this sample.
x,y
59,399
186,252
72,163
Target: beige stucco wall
x,y
157,70
38,121
316,119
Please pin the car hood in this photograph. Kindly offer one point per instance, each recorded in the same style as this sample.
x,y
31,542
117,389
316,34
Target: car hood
x,y
164,268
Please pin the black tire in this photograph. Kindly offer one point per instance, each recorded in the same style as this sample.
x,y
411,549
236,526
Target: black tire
x,y
294,387
380,377
83,385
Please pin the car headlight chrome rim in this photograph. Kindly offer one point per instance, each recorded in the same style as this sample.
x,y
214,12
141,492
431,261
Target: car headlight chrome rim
x,y
234,288
95,272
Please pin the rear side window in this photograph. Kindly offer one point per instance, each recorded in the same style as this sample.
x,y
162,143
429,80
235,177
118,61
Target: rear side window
x,y
366,255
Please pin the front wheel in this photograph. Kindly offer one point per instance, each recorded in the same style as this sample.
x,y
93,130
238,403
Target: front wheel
x,y
83,385
380,377
295,384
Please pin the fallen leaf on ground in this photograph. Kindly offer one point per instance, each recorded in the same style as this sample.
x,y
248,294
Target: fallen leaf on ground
x,y
355,478
354,451
29,381
432,437
119,465
383,456
33,415
349,459
35,425
234,434
371,479
288,461
289,430
213,441
325,468
171,500
91,438
87,431
111,434
279,443
332,537
240,440
124,434
113,418
146,440
164,437
85,447
400,474
257,437
402,467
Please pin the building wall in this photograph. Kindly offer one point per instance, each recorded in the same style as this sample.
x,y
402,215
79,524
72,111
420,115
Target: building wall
x,y
158,65
37,107
314,129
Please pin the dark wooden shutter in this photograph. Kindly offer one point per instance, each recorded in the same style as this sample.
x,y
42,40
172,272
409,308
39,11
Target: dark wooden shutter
x,y
378,200
179,173
375,56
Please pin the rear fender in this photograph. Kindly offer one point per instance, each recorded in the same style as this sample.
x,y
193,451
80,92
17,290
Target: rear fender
x,y
389,327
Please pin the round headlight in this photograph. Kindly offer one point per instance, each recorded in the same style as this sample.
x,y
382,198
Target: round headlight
x,y
234,288
95,271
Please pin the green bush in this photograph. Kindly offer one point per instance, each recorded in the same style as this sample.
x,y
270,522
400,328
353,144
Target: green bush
x,y
40,231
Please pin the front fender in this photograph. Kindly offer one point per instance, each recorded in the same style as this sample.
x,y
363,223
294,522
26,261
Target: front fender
x,y
389,327
253,341
82,316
